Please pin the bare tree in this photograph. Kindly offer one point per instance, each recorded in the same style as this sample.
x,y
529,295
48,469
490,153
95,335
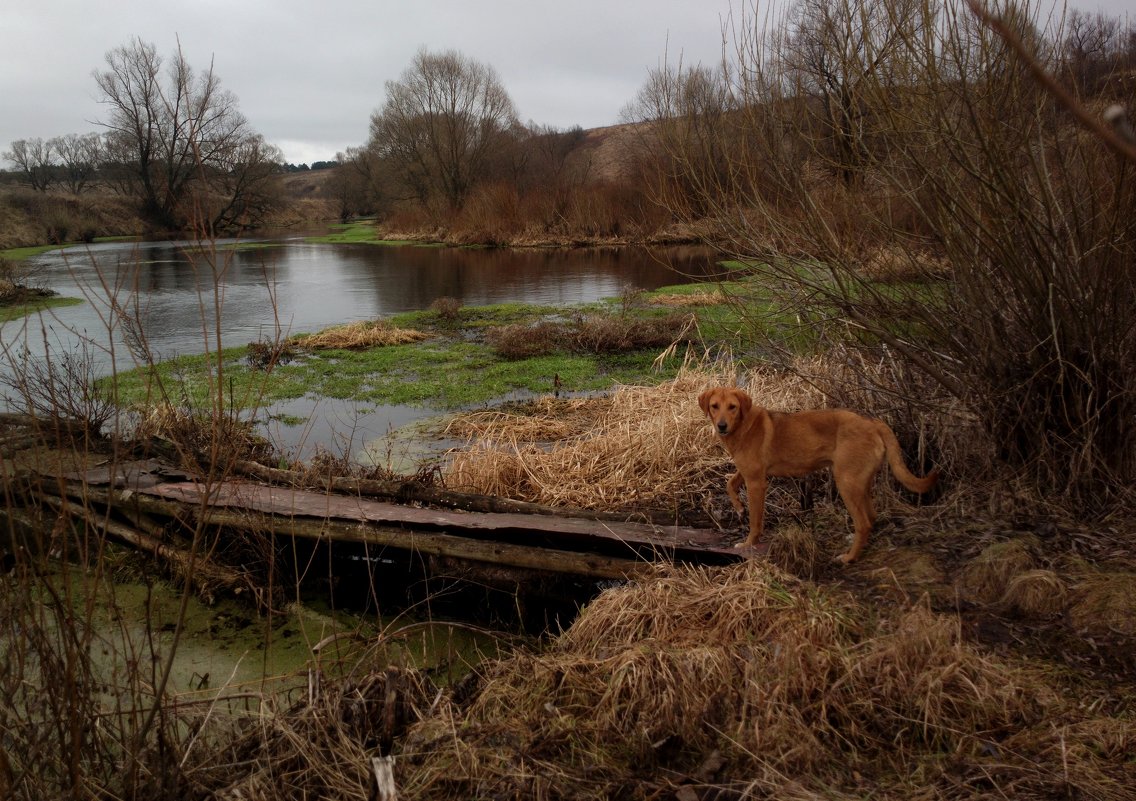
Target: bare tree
x,y
357,183
188,145
35,160
840,55
79,159
440,124
1095,46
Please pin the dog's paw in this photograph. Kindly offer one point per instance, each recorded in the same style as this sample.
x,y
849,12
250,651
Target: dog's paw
x,y
844,559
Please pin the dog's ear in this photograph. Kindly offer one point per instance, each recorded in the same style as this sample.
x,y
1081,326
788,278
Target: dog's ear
x,y
704,400
745,402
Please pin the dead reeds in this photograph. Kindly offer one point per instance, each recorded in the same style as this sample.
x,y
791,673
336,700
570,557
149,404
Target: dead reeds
x,y
319,746
360,334
641,446
746,681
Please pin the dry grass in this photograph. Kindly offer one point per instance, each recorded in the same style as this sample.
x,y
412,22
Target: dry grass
x,y
357,335
747,682
794,548
646,446
987,576
1103,603
688,299
319,747
1036,594
640,447
543,420
894,263
201,439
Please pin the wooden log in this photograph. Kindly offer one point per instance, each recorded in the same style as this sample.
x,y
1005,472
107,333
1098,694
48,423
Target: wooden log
x,y
206,576
73,427
384,536
414,491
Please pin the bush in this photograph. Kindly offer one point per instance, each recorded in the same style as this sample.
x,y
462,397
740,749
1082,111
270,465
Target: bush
x,y
527,341
448,309
603,333
265,353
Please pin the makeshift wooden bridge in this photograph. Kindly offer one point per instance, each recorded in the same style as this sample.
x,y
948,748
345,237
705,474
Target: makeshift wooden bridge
x,y
403,516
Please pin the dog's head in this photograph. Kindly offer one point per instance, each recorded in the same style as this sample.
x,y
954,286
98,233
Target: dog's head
x,y
726,407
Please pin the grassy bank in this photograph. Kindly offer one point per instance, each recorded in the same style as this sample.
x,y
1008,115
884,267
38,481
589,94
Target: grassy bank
x,y
362,232
459,357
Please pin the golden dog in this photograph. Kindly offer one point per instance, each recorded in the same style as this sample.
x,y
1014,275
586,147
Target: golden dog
x,y
764,443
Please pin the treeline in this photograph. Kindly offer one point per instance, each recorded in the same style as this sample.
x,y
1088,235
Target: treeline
x,y
175,141
314,167
448,155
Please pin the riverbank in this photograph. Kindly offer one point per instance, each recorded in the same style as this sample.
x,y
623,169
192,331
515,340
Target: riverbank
x,y
982,647
984,640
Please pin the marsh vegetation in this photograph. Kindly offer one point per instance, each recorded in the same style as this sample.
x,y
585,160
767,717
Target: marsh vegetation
x,y
917,225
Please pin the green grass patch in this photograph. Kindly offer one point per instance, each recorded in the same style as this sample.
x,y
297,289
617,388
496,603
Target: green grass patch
x,y
18,310
442,375
362,232
455,369
21,254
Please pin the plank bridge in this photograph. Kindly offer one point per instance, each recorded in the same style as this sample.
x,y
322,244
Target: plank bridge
x,y
383,515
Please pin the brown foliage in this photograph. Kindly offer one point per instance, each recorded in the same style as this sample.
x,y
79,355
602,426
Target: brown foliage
x,y
744,681
588,333
361,334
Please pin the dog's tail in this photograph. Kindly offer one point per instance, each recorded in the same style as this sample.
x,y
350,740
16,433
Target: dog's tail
x,y
898,468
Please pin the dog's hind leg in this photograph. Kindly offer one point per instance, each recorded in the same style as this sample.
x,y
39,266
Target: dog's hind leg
x,y
755,494
856,492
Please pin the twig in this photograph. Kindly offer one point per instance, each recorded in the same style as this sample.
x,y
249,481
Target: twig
x,y
1113,136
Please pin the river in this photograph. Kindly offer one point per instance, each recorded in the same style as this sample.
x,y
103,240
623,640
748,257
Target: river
x,y
259,288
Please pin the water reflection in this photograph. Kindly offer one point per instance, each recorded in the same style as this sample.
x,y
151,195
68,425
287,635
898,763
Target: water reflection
x,y
307,287
177,290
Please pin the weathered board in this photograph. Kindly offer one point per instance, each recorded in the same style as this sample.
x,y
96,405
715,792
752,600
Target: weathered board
x,y
589,547
568,543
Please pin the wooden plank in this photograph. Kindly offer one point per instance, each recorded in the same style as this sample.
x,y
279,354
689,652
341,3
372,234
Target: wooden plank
x,y
382,536
610,537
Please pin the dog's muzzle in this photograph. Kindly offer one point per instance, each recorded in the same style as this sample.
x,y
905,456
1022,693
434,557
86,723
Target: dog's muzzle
x,y
723,427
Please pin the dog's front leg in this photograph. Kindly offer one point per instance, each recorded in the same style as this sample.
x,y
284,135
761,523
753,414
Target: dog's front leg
x,y
732,490
755,494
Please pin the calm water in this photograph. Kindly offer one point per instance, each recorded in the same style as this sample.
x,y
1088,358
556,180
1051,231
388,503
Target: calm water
x,y
175,290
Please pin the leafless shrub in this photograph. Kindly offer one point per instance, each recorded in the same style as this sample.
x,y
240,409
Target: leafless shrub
x,y
19,282
265,354
606,333
588,333
527,341
448,309
61,385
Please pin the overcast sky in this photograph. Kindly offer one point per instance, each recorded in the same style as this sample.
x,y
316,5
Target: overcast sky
x,y
308,75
